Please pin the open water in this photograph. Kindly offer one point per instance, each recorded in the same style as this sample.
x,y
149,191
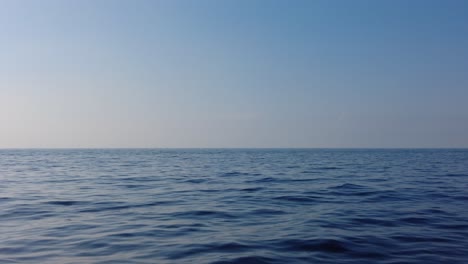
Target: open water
x,y
234,206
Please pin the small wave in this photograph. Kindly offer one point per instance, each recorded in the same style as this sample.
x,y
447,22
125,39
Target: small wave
x,y
456,175
369,255
373,221
348,186
435,211
414,220
460,198
65,203
254,189
459,227
249,260
195,249
416,239
203,213
140,179
102,209
213,190
195,181
125,234
97,207
176,226
353,193
134,186
267,212
297,198
349,189
385,196
233,173
301,180
309,172
266,179
321,245
328,168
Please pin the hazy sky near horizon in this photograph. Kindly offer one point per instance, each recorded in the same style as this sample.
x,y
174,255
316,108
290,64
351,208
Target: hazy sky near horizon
x,y
243,73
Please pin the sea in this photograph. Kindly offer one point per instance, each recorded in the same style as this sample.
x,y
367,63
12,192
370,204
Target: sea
x,y
234,206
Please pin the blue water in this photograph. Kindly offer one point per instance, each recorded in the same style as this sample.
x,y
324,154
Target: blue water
x,y
233,206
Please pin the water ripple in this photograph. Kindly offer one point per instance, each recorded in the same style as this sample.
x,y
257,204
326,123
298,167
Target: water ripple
x,y
233,206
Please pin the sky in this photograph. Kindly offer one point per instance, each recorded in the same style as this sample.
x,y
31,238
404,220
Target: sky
x,y
233,73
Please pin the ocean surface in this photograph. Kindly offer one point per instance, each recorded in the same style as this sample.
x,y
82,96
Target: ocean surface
x,y
234,206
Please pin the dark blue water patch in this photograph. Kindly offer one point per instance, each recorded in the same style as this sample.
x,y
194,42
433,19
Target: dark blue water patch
x,y
217,190
415,220
352,193
368,194
92,244
107,208
374,222
434,211
349,186
26,213
252,189
66,203
299,199
65,231
102,207
459,227
151,178
249,260
195,181
134,186
196,249
153,233
328,168
313,245
383,196
456,175
12,250
262,180
310,172
126,234
119,262
206,214
420,239
71,181
234,173
299,180
176,226
460,197
262,212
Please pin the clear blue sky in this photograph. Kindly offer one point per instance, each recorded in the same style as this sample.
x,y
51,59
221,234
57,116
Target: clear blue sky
x,y
227,73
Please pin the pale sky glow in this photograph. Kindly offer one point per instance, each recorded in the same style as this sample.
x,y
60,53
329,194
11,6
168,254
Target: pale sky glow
x,y
245,73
